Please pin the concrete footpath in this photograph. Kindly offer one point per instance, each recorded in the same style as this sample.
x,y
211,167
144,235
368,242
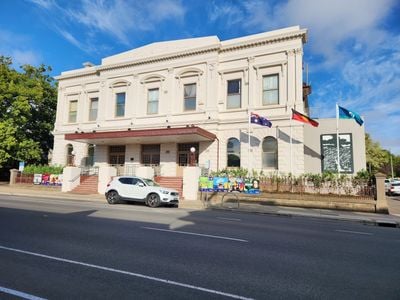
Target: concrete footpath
x,y
390,220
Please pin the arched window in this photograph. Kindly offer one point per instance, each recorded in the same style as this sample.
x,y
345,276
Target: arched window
x,y
70,156
270,153
233,152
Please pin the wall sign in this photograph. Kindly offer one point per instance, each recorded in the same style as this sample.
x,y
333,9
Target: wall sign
x,y
329,153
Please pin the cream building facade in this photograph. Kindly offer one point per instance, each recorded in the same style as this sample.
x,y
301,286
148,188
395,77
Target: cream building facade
x,y
152,105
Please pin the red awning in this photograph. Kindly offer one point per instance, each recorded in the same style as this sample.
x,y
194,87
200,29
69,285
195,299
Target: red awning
x,y
143,136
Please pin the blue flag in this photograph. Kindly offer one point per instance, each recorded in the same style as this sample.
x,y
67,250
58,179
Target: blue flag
x,y
256,119
348,114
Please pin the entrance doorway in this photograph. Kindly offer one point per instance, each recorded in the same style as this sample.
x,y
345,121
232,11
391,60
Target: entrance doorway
x,y
116,157
185,157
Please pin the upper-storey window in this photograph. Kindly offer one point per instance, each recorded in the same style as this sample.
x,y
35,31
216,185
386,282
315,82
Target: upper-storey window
x,y
234,93
120,104
189,95
73,111
93,107
270,89
152,101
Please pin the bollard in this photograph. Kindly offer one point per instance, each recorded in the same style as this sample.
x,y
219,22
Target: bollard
x,y
13,176
381,202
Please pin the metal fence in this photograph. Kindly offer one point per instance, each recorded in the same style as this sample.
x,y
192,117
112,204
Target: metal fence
x,y
348,188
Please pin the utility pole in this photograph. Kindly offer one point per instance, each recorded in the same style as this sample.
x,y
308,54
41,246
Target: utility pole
x,y
391,163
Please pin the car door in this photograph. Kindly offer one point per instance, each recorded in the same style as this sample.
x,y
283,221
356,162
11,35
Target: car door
x,y
125,187
140,189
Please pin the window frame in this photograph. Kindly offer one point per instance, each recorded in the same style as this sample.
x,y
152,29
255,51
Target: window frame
x,y
91,100
264,160
233,153
151,102
264,90
71,111
120,105
186,99
228,106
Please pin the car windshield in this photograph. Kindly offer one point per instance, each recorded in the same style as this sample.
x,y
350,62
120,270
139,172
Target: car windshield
x,y
396,184
150,182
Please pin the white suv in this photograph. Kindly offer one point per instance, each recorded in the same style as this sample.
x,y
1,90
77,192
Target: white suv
x,y
130,188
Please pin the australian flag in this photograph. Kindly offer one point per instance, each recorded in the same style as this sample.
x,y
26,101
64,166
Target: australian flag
x,y
256,119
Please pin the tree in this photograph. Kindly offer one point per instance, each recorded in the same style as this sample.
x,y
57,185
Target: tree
x,y
28,101
376,156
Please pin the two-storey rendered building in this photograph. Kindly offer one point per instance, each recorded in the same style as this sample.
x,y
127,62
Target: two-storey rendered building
x,y
176,103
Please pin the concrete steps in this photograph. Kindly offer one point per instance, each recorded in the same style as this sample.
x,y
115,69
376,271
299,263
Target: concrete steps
x,y
175,183
88,185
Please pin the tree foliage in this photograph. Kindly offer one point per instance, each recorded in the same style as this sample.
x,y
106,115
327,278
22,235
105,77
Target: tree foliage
x,y
28,101
380,160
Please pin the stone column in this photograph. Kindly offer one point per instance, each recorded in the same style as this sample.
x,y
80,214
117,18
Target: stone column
x,y
13,176
190,182
381,202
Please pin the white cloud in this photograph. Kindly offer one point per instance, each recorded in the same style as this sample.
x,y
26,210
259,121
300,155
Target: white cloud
x,y
22,57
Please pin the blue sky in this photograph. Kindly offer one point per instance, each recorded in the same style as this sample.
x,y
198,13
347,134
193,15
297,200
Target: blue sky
x,y
353,51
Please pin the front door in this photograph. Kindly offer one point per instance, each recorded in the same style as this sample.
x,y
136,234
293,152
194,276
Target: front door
x,y
185,157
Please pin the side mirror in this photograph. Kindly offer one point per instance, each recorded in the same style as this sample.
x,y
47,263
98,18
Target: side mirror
x,y
141,184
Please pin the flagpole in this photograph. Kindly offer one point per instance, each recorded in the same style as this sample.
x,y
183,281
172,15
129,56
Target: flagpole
x,y
248,138
337,138
291,159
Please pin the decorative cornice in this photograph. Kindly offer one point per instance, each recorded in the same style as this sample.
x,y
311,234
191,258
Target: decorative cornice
x,y
214,48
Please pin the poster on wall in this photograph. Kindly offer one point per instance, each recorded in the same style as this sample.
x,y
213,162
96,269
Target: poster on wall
x,y
329,153
231,184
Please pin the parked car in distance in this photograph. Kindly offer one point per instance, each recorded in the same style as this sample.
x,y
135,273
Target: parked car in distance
x,y
394,188
132,188
387,186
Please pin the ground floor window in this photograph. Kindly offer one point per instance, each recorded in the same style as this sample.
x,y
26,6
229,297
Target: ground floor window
x,y
116,155
150,155
270,153
233,152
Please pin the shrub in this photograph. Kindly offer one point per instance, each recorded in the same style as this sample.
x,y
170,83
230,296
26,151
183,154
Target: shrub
x,y
42,169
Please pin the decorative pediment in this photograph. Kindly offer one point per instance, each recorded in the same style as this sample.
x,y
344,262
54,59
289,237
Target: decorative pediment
x,y
152,78
188,72
119,82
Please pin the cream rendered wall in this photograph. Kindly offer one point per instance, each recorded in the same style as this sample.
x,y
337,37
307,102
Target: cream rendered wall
x,y
312,150
168,159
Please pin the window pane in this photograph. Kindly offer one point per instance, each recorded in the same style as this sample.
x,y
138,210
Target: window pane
x,y
234,86
270,82
190,90
233,101
270,97
120,105
190,104
152,107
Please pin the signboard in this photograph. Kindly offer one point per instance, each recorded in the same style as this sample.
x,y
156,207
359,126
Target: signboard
x,y
21,166
231,184
329,153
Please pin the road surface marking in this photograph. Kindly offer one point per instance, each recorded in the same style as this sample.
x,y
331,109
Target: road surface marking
x,y
166,281
19,294
229,219
198,234
355,232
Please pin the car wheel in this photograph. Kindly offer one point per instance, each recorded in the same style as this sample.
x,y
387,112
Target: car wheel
x,y
153,200
113,197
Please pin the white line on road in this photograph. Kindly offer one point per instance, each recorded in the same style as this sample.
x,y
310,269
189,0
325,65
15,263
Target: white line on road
x,y
229,219
19,294
198,234
166,281
355,232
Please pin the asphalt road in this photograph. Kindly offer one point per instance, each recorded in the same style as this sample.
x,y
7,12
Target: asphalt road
x,y
59,249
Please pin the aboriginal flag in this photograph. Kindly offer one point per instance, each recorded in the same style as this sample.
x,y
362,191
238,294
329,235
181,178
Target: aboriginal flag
x,y
302,118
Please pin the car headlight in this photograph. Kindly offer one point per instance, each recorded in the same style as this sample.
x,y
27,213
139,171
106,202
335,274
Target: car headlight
x,y
164,192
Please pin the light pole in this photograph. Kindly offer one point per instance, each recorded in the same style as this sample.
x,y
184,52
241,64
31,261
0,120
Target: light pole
x,y
192,158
